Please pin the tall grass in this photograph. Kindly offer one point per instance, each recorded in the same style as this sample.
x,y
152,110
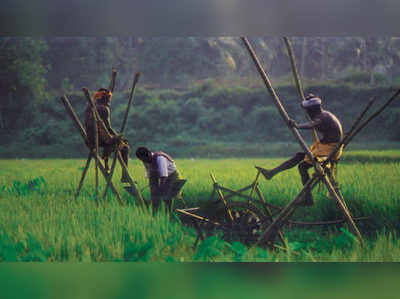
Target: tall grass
x,y
40,221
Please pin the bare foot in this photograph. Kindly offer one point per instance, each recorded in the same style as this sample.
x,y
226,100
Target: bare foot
x,y
265,172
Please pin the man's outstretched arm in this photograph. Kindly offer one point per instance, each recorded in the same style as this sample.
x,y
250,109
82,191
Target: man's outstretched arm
x,y
307,125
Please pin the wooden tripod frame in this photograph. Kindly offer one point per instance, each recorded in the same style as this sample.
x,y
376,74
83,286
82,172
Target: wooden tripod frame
x,y
94,153
320,169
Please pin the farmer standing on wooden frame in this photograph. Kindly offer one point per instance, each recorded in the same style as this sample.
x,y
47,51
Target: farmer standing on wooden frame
x,y
164,178
327,124
110,140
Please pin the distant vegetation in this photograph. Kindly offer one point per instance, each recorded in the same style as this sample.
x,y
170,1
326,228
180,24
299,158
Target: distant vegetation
x,y
205,121
197,96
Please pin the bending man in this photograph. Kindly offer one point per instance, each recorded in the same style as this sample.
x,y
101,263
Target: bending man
x,y
110,140
164,179
326,124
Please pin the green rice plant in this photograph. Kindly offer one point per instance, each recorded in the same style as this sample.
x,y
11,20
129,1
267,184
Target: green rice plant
x,y
40,220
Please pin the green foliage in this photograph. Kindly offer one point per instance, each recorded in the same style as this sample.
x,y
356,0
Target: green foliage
x,y
23,82
8,252
19,188
362,78
134,252
208,119
40,222
210,248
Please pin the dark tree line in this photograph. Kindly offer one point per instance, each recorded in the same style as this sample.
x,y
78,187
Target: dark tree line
x,y
36,71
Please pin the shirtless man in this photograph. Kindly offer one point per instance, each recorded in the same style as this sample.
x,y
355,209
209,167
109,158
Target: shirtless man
x,y
326,124
102,99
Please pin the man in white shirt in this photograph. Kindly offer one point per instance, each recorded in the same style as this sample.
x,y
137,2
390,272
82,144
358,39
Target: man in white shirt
x,y
163,176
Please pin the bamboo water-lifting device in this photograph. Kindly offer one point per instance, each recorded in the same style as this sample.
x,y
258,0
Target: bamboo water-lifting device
x,y
255,217
93,153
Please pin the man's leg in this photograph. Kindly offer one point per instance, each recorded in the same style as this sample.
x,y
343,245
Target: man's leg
x,y
303,169
107,150
296,159
154,192
125,149
170,192
168,205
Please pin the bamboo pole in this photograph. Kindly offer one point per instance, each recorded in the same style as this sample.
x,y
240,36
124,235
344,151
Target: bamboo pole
x,y
217,188
235,193
197,216
90,156
255,183
278,104
332,222
275,225
96,151
133,89
238,191
131,182
349,133
269,213
112,81
135,80
297,78
383,107
347,214
104,172
74,116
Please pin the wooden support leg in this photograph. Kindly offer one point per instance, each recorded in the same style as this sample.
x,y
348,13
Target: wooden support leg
x,y
96,152
346,212
255,183
335,185
112,83
83,133
237,192
269,234
212,194
221,196
269,213
110,176
200,235
90,156
105,175
131,182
